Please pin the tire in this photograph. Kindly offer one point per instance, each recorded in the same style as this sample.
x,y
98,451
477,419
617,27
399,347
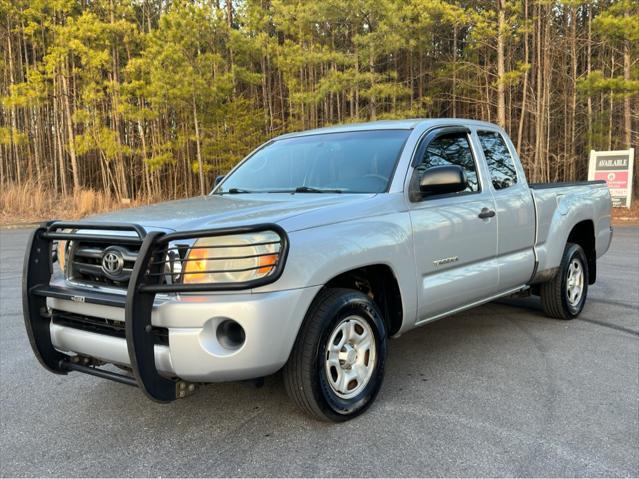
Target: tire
x,y
318,382
559,295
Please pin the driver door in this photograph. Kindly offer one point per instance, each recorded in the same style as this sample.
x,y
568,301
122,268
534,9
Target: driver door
x,y
455,249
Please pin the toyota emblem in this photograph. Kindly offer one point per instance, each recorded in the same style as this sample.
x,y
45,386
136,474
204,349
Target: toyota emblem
x,y
112,262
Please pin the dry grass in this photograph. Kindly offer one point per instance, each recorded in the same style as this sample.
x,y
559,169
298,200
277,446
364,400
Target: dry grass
x,y
31,204
624,216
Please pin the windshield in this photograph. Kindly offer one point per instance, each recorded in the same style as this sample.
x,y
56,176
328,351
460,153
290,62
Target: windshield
x,y
349,162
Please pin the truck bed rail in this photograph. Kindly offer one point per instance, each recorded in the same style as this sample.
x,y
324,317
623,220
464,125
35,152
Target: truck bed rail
x,y
542,186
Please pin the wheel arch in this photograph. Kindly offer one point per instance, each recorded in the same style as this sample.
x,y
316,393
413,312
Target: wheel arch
x,y
378,282
583,234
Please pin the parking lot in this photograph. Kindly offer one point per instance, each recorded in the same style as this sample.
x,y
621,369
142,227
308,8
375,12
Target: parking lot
x,y
500,390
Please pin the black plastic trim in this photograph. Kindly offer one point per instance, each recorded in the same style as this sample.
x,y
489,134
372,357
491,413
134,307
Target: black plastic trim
x,y
79,295
96,325
431,135
61,225
54,232
67,365
93,238
543,186
37,270
138,328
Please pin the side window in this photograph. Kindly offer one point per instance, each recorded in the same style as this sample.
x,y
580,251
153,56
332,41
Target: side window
x,y
451,149
500,164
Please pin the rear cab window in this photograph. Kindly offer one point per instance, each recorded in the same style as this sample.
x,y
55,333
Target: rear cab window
x,y
501,165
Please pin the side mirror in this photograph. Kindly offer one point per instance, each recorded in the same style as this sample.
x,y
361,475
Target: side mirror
x,y
218,180
440,180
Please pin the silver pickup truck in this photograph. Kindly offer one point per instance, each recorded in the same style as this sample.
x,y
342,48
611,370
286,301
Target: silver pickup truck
x,y
308,256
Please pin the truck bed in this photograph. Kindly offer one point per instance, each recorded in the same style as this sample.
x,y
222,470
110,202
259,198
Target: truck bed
x,y
559,205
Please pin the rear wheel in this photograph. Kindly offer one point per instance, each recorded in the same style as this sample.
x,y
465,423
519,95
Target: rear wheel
x,y
336,367
564,296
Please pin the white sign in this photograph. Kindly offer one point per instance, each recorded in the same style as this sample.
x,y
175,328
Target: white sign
x,y
615,168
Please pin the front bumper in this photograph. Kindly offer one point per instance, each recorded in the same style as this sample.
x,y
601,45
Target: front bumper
x,y
189,313
194,353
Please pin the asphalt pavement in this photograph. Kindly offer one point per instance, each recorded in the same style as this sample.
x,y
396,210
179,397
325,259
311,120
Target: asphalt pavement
x,y
500,390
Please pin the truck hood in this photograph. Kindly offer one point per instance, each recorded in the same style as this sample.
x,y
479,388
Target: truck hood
x,y
217,211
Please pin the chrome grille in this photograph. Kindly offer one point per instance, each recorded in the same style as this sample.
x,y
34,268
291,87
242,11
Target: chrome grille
x,y
87,263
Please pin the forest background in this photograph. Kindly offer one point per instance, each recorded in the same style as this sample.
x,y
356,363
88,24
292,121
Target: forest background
x,y
111,102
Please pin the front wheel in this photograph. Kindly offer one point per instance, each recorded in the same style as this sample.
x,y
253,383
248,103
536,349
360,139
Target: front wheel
x,y
564,296
336,367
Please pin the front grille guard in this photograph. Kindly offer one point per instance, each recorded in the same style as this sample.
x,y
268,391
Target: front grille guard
x,y
147,280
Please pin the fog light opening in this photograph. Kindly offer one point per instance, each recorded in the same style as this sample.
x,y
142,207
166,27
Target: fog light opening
x,y
230,334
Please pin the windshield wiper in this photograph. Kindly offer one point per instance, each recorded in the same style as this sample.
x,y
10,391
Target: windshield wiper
x,y
310,189
235,191
299,189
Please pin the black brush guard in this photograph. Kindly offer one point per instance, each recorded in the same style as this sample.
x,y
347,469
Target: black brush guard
x,y
147,279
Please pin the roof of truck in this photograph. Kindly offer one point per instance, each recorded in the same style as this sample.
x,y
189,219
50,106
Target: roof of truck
x,y
407,124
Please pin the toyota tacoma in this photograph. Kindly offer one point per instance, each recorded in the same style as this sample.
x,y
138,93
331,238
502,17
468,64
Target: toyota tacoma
x,y
307,257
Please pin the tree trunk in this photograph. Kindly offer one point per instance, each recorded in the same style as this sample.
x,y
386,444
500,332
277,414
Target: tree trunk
x,y
13,114
71,137
588,70
229,13
454,92
627,112
371,67
200,163
538,156
524,93
611,106
573,100
145,166
501,101
57,122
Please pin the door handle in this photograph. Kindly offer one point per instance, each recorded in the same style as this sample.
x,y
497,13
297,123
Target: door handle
x,y
486,213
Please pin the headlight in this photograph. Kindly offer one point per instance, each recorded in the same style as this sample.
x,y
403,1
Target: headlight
x,y
232,258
